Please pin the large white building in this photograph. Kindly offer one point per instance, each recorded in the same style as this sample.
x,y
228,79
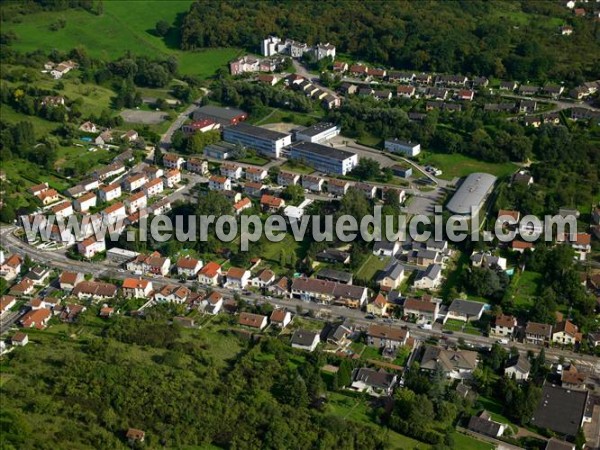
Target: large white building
x,y
318,133
324,159
267,142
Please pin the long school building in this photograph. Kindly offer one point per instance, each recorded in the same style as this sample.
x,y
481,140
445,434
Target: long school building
x,y
323,158
267,142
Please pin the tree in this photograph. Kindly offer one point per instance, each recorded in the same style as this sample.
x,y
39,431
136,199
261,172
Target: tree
x,y
162,27
344,373
366,169
293,193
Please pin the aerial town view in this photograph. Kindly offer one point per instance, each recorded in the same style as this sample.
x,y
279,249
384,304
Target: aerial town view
x,y
298,224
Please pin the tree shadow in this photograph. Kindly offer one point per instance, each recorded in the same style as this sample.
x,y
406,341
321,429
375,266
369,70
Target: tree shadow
x,y
173,37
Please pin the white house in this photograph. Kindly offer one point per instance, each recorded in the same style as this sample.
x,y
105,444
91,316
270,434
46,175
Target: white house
x,y
504,326
62,210
256,174
430,278
188,267
171,161
253,320
135,182
173,177
209,274
465,310
90,247
213,303
305,340
232,171
154,187
519,368
263,279
237,278
110,192
386,248
407,148
566,333
136,202
114,212
216,183
85,202
280,317
136,288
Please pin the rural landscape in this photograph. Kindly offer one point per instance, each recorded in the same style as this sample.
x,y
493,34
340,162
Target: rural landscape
x,y
118,116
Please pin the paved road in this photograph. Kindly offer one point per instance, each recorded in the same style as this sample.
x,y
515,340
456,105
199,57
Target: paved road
x,y
60,261
559,104
165,139
314,79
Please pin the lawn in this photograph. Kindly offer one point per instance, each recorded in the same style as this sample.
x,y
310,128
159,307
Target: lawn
x,y
524,288
124,26
297,167
42,127
465,442
72,156
371,266
255,160
455,165
277,116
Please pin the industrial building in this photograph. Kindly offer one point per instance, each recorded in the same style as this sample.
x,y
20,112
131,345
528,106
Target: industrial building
x,y
224,116
267,142
471,194
324,159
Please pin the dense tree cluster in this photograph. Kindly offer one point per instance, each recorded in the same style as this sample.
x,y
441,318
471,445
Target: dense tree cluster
x,y
516,40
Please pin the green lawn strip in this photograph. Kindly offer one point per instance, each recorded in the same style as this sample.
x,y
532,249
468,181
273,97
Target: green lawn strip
x,y
457,165
371,266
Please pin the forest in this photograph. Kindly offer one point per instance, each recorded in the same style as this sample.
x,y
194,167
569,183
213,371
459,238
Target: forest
x,y
504,39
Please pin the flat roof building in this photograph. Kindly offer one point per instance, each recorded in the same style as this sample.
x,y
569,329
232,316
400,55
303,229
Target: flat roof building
x,y
407,148
319,132
323,158
219,150
266,142
471,194
224,116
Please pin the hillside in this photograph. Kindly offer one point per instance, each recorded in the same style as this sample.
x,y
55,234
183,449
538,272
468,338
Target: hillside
x,y
123,26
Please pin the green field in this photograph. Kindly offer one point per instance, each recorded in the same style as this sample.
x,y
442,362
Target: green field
x,y
297,167
464,442
41,126
523,289
124,26
456,165
371,266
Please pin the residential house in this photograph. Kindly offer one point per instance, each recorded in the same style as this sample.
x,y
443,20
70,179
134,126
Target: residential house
x,y
253,320
172,161
312,183
19,339
483,424
369,190
38,189
392,277
37,318
153,263
89,127
213,303
242,205
465,310
136,288
376,383
110,192
197,165
39,275
209,274
232,171
271,203
216,183
333,255
338,276
23,288
173,178
172,293
11,267
62,210
106,137
256,174
424,309
557,444
237,278
114,213
162,206
6,303
136,202
560,410
90,247
521,246
85,202
154,187
68,280
386,248
581,243
305,340
566,333
486,259
386,336
254,189
134,435
337,187
130,136
279,289
340,66
430,278
508,85
95,290
405,91
322,291
280,317
518,367
456,364
112,170
188,267
263,279
538,333
465,94
48,196
287,179
378,306
572,378
106,312
153,172
504,326
527,106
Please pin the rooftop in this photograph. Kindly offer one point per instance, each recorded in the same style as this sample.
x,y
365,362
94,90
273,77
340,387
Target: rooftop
x,y
257,132
323,150
471,193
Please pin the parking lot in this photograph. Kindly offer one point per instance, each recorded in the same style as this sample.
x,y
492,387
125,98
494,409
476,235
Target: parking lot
x,y
143,117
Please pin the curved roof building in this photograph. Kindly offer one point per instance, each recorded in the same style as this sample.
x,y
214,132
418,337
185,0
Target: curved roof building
x,y
471,194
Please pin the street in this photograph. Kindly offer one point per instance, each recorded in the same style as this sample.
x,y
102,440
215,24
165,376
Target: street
x,y
60,261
